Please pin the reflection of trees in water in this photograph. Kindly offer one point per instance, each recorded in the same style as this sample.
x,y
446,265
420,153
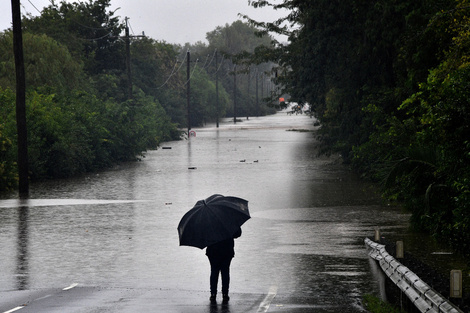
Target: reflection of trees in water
x,y
22,252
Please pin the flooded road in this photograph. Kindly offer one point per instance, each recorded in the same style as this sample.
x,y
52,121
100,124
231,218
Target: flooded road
x,y
117,229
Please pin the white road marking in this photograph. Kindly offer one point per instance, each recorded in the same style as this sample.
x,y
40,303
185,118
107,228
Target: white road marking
x,y
47,296
15,309
42,298
70,287
264,306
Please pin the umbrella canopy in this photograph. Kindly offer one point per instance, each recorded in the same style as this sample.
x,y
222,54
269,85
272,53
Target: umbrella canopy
x,y
212,220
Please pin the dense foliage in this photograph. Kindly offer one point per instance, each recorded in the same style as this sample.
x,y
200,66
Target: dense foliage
x,y
389,81
83,111
374,304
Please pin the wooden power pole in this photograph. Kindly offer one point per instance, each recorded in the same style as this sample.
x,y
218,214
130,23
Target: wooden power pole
x,y
20,100
217,88
188,89
127,39
235,94
257,94
128,61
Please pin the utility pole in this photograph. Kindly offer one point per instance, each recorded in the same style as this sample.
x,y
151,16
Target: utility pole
x,y
128,61
234,94
188,90
217,88
248,91
249,82
262,85
23,183
257,100
127,39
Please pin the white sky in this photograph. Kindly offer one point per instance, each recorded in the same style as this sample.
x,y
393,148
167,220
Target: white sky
x,y
175,21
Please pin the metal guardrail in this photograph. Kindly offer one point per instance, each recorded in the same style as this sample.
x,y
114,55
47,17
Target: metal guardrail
x,y
420,294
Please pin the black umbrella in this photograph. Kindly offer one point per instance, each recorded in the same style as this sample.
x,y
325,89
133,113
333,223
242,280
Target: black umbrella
x,y
212,220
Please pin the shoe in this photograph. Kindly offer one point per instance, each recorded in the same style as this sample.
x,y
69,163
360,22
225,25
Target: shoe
x,y
225,298
212,298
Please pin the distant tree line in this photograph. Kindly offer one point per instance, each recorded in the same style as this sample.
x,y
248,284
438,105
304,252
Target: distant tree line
x,y
389,82
80,115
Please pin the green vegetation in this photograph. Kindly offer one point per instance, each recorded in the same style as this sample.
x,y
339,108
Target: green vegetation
x,y
83,112
389,82
374,305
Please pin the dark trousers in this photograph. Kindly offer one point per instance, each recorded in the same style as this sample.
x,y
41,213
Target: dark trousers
x,y
222,266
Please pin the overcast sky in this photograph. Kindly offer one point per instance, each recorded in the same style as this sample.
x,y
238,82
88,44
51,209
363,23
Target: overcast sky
x,y
175,21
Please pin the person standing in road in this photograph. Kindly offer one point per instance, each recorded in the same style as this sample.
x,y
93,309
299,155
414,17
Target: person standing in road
x,y
220,256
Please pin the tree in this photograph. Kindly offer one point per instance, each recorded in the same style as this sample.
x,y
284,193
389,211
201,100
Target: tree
x,y
204,99
90,32
8,154
236,43
389,84
47,63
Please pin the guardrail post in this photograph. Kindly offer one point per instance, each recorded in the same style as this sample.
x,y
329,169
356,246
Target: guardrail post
x,y
423,297
456,284
377,234
400,251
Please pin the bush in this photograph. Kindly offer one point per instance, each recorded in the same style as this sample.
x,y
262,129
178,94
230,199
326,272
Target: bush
x,y
76,133
8,168
375,305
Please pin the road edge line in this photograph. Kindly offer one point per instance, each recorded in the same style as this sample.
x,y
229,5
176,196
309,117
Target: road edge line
x,y
70,287
15,309
264,305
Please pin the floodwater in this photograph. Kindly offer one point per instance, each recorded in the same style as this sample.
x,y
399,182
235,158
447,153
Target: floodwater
x,y
117,228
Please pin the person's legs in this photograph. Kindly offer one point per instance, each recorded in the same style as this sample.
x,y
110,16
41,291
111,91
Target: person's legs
x,y
225,272
214,278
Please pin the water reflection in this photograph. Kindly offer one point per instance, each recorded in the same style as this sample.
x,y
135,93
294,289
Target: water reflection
x,y
22,266
219,308
118,227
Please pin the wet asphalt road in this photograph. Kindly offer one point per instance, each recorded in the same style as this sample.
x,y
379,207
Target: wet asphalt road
x,y
107,242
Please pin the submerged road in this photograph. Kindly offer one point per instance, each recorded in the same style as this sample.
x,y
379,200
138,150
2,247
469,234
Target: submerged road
x,y
107,242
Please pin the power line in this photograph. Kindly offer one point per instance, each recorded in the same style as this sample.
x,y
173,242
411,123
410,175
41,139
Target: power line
x,y
192,72
34,7
220,65
93,39
78,23
173,72
212,59
213,55
130,26
90,27
204,66
26,10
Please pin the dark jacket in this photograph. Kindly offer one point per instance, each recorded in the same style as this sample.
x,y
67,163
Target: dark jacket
x,y
223,249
